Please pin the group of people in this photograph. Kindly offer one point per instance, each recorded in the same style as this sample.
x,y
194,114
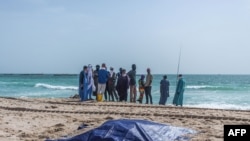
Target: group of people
x,y
114,86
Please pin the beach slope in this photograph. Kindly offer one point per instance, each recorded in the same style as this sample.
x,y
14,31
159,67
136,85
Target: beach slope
x,y
39,119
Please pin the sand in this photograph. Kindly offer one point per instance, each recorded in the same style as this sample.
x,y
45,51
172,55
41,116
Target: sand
x,y
39,119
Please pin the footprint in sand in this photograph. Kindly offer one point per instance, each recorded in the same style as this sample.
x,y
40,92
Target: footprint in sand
x,y
59,125
58,129
24,135
53,107
42,136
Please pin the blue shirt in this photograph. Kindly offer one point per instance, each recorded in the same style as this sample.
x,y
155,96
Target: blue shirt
x,y
102,76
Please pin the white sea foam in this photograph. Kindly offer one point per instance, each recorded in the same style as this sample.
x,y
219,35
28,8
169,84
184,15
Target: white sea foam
x,y
200,86
48,86
221,106
24,97
3,82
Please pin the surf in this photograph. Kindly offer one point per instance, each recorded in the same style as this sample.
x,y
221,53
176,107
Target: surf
x,y
55,87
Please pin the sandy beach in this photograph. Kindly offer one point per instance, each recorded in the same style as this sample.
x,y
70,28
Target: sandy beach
x,y
39,119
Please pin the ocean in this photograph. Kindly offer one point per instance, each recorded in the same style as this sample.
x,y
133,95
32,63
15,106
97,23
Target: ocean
x,y
203,91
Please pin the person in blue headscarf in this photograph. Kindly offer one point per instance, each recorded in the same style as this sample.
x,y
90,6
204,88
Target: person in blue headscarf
x,y
178,97
164,89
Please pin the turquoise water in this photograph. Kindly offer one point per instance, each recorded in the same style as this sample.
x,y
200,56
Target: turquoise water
x,y
206,91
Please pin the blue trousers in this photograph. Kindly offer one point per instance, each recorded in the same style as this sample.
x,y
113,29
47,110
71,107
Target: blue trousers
x,y
89,93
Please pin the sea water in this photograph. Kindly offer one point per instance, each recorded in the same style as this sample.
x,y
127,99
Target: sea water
x,y
204,91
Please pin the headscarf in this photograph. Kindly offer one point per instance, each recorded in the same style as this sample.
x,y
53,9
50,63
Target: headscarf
x,y
90,70
90,78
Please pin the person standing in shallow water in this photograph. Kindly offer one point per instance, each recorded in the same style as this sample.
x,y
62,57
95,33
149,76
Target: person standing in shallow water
x,y
132,83
164,89
178,97
149,79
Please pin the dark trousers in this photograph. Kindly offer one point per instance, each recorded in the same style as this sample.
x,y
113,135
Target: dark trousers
x,y
106,94
148,94
123,95
112,93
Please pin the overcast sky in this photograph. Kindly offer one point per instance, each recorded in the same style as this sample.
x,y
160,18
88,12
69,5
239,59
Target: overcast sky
x,y
60,36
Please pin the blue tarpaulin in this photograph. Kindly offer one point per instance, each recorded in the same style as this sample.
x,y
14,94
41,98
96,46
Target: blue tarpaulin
x,y
133,130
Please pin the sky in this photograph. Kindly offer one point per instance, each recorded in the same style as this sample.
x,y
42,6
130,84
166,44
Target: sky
x,y
60,36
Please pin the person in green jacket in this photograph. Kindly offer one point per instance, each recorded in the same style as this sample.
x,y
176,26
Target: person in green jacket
x,y
178,97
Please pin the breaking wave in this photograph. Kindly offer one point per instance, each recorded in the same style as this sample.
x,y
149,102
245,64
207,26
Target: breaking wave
x,y
48,86
222,88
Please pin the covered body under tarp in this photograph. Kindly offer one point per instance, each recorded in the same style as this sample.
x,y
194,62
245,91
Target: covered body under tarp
x,y
133,130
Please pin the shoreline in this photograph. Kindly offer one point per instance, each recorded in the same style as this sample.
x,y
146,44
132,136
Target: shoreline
x,y
135,104
144,105
43,118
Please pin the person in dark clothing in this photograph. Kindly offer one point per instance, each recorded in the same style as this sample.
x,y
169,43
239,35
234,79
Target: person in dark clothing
x,y
111,85
82,87
96,79
106,92
122,86
164,89
119,74
132,83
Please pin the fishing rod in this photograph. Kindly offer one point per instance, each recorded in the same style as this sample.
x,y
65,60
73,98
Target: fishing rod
x,y
178,68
